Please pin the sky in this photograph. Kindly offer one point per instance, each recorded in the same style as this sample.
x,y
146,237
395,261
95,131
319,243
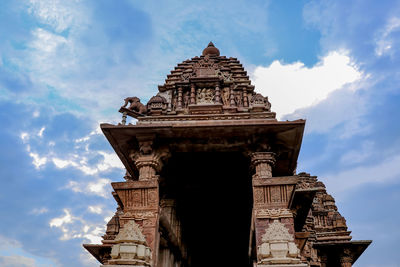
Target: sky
x,y
66,66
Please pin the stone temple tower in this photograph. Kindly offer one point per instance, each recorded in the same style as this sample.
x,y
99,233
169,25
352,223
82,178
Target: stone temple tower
x,y
211,180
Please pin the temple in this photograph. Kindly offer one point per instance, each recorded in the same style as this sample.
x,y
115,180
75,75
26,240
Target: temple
x,y
211,180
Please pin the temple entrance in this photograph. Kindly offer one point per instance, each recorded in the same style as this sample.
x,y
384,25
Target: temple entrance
x,y
213,196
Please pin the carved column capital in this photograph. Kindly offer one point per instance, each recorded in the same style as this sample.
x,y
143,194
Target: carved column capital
x,y
149,164
262,162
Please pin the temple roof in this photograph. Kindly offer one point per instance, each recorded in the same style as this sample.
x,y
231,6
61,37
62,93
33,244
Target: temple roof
x,y
229,69
209,86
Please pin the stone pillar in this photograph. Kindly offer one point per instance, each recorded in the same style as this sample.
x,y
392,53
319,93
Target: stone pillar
x,y
141,209
273,221
192,94
245,98
231,96
217,94
180,97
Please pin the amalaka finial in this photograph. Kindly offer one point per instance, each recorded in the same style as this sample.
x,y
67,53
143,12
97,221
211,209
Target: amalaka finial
x,y
211,50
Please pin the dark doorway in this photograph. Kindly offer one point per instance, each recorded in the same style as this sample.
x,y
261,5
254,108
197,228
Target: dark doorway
x,y
214,201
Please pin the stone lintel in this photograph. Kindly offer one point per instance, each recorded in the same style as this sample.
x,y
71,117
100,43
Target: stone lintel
x,y
134,184
281,180
205,109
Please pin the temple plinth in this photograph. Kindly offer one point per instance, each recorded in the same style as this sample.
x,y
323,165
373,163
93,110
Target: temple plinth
x,y
211,180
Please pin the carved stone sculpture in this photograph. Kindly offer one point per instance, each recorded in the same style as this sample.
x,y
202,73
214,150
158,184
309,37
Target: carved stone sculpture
x,y
157,105
259,103
278,246
205,96
130,248
135,105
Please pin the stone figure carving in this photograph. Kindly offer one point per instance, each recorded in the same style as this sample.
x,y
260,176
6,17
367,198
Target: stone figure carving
x,y
238,99
186,99
225,96
259,101
135,105
205,96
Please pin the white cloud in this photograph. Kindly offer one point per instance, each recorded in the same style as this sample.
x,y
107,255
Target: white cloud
x,y
95,209
58,222
17,261
294,86
73,227
383,172
111,160
384,43
24,136
13,255
37,160
36,114
97,187
40,133
58,14
80,162
46,42
61,164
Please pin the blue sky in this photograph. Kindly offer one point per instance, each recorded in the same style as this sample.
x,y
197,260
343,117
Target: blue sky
x,y
65,66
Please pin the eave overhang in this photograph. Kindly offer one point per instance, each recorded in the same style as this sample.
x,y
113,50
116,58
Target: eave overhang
x,y
284,138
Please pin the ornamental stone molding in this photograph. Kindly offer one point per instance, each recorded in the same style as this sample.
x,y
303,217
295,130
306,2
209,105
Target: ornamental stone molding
x,y
278,247
130,247
273,213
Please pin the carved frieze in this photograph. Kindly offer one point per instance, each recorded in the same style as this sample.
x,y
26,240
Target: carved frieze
x,y
205,96
140,198
206,67
272,195
273,213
